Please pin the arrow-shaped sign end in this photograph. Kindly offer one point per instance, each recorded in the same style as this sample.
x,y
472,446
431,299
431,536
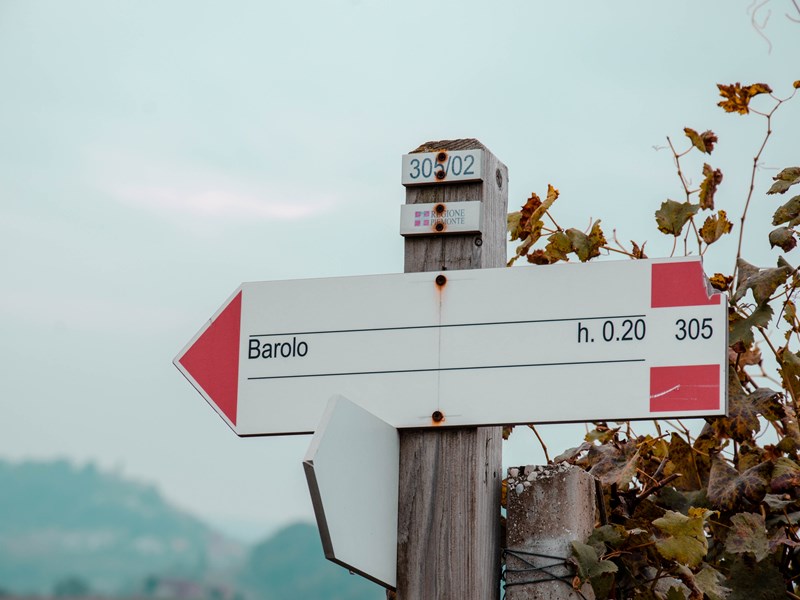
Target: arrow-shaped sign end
x,y
211,361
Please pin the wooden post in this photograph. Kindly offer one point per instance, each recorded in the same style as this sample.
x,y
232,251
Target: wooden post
x,y
548,508
449,500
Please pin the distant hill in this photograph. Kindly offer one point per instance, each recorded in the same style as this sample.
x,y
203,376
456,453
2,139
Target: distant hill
x,y
59,521
75,530
291,564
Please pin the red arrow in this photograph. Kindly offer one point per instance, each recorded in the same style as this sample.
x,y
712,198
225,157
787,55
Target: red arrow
x,y
212,361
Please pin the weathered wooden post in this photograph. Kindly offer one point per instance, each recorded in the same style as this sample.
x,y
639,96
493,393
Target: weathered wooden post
x,y
449,494
548,508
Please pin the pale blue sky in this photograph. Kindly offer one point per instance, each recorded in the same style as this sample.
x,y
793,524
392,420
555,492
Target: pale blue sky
x,y
153,155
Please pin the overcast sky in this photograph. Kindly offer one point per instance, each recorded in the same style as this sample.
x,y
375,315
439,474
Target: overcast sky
x,y
154,155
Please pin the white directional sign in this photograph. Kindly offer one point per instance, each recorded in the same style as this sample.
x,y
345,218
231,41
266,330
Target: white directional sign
x,y
445,166
353,470
568,342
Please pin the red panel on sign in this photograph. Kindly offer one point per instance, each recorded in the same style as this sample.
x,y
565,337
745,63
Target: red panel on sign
x,y
684,388
213,360
680,284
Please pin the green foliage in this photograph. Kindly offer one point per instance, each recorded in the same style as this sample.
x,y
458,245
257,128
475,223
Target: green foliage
x,y
714,516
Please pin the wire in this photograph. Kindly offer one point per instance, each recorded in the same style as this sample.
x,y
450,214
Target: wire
x,y
536,574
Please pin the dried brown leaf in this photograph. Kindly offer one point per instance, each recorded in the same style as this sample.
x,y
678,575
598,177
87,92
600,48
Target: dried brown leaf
x,y
783,237
720,282
638,252
708,187
702,141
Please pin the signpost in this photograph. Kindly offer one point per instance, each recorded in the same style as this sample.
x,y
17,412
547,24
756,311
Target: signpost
x,y
615,340
445,353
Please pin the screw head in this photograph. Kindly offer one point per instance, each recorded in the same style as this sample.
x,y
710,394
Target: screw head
x,y
440,174
439,227
441,280
441,157
437,416
439,208
479,241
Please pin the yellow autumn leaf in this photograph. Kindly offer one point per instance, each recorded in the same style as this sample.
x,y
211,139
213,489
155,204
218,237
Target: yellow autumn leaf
x,y
715,227
737,97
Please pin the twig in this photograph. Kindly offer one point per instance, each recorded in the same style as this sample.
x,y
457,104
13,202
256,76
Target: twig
x,y
677,158
658,486
753,171
556,225
544,447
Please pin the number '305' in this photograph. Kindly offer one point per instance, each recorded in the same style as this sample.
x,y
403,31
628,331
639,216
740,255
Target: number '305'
x,y
692,329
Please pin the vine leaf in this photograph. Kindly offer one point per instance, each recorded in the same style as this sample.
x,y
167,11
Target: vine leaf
x,y
783,237
742,419
526,225
611,466
587,246
751,580
708,187
784,180
685,540
720,282
737,97
672,216
748,534
702,141
768,403
709,581
558,246
676,593
788,213
762,282
588,563
638,252
785,476
681,455
741,327
789,368
715,227
519,222
727,488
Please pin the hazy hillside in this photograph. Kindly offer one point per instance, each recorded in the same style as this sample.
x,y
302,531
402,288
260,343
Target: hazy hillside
x,y
291,564
59,521
76,530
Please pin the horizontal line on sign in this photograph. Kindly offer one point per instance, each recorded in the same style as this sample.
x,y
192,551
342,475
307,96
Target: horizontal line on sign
x,y
256,335
555,364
